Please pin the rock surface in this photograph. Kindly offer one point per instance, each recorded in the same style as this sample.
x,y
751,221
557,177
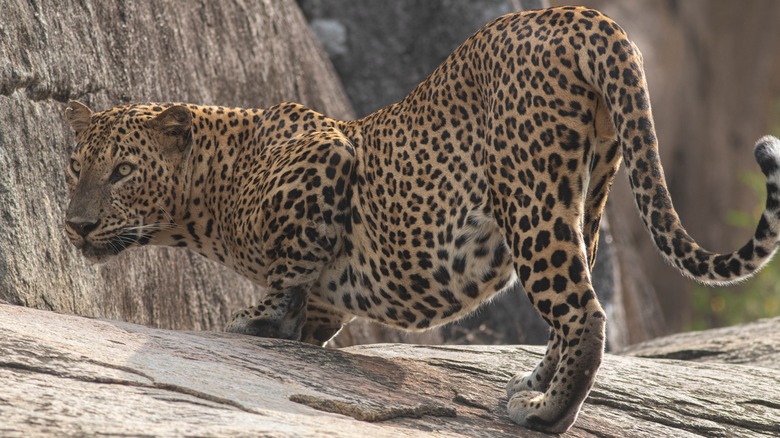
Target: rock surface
x,y
382,50
106,53
756,343
73,376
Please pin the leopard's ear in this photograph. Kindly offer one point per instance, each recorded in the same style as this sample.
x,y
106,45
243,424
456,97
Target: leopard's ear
x,y
78,116
173,128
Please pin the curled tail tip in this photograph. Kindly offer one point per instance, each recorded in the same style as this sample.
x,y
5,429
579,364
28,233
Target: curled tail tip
x,y
767,152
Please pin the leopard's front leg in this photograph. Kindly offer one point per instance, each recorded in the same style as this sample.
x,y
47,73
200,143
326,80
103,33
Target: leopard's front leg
x,y
290,314
295,233
280,315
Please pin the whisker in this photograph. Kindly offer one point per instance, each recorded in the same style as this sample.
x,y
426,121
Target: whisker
x,y
156,226
114,247
162,209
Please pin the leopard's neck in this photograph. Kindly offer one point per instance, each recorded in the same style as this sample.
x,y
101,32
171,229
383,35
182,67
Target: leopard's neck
x,y
203,201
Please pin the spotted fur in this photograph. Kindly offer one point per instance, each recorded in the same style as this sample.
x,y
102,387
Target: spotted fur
x,y
495,169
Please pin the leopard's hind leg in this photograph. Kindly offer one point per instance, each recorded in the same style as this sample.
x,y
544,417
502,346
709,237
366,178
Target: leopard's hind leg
x,y
603,164
549,398
543,223
539,379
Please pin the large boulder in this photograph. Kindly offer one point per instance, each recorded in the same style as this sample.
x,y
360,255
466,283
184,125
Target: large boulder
x,y
65,375
383,49
104,53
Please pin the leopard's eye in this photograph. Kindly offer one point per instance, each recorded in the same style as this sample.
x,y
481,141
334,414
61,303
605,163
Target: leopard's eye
x,y
124,169
121,171
75,166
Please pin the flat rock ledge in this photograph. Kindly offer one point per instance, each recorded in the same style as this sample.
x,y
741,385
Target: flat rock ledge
x,y
67,375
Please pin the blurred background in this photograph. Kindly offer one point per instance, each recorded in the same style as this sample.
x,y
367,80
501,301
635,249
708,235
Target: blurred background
x,y
713,68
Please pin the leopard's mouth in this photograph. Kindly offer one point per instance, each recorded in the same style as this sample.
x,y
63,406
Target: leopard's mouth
x,y
101,252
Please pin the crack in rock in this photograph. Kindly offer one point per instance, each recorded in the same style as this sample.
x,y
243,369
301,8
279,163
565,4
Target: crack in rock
x,y
470,401
115,381
372,411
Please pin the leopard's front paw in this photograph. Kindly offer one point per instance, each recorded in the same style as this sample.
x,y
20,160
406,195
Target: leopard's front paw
x,y
281,315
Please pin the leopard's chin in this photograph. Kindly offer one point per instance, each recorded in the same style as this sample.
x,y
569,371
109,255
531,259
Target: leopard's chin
x,y
98,255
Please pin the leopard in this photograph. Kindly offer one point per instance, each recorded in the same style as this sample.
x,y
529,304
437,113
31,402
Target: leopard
x,y
493,171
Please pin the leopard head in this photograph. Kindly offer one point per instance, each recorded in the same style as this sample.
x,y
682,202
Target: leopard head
x,y
125,175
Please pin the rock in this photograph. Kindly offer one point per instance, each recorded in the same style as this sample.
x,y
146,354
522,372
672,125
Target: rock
x,y
382,50
756,343
332,34
105,53
66,375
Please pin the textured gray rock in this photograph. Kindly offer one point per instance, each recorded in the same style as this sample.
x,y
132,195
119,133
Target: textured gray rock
x,y
383,49
71,376
756,343
104,53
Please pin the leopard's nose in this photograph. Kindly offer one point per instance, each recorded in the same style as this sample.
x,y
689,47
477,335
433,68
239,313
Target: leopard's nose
x,y
82,226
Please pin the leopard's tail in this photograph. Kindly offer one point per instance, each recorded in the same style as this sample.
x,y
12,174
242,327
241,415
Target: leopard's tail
x,y
617,72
